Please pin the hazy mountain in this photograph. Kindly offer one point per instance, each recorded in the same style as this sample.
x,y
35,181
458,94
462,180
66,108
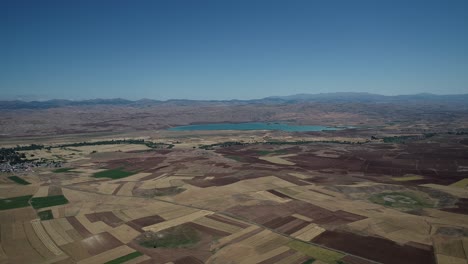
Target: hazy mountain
x,y
374,98
345,97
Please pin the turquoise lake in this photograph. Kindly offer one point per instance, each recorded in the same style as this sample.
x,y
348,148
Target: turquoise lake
x,y
253,126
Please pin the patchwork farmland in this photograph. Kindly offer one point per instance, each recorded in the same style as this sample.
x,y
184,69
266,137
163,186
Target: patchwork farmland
x,y
253,203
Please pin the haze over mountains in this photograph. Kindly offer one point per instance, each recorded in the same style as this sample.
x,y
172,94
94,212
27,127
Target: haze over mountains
x,y
343,97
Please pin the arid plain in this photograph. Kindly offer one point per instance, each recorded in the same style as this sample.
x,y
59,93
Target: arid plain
x,y
392,189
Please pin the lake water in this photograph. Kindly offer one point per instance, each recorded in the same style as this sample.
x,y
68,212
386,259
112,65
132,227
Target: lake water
x,y
253,126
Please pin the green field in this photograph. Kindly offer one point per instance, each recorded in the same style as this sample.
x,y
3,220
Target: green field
x,y
176,237
316,252
63,170
113,174
42,202
14,202
46,215
125,258
19,180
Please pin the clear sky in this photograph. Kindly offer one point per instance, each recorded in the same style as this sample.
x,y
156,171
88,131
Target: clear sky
x,y
224,49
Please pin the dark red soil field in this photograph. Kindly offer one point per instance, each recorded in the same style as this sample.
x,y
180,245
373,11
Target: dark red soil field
x,y
279,194
312,162
338,218
437,163
139,223
377,249
79,227
292,226
355,260
279,221
107,217
276,215
208,230
135,164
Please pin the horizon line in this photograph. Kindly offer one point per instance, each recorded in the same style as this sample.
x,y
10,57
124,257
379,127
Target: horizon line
x,y
221,100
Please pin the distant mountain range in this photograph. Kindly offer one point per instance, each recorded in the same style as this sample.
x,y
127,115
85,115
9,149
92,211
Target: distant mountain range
x,y
423,98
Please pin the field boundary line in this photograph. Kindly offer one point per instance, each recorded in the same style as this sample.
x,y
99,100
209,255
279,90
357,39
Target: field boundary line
x,y
44,237
238,218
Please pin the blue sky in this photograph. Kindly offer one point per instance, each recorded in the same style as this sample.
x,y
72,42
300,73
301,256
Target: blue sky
x,y
224,49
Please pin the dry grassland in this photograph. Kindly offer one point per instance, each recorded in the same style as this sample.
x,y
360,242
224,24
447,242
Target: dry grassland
x,y
302,217
443,259
245,186
56,232
299,175
454,190
36,243
94,228
253,249
460,184
7,191
76,251
45,238
42,192
165,182
264,195
408,177
279,159
226,240
309,232
127,189
108,255
217,225
80,153
107,188
265,256
177,221
124,233
176,211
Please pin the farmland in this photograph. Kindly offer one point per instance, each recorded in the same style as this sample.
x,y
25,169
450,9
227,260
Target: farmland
x,y
272,197
113,174
18,180
14,202
42,202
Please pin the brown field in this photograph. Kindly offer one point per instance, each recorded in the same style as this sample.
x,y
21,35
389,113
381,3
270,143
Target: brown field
x,y
374,248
